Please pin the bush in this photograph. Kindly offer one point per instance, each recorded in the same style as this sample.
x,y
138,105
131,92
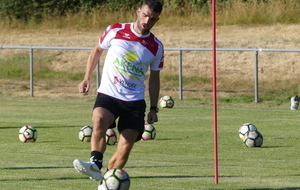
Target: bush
x,y
39,9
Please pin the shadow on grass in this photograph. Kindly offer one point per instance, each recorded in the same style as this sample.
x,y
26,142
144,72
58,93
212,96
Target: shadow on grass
x,y
178,176
285,188
168,139
273,146
169,166
34,168
45,179
42,127
11,127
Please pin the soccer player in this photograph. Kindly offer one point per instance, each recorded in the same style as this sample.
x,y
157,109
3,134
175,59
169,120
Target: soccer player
x,y
295,102
132,49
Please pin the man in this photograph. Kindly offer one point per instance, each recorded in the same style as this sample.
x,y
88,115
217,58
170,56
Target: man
x,y
132,48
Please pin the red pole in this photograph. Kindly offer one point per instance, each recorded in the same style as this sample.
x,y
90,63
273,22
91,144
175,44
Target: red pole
x,y
215,90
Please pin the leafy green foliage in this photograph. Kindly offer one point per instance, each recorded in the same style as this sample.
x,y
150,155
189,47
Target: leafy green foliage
x,y
25,10
38,9
230,11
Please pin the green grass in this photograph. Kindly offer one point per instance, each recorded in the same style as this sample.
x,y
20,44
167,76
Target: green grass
x,y
181,156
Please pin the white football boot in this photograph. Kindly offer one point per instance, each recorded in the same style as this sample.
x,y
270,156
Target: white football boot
x,y
294,103
88,168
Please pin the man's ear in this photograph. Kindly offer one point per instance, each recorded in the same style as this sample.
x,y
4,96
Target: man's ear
x,y
138,11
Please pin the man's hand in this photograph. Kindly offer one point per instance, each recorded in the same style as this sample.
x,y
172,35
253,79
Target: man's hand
x,y
152,117
84,86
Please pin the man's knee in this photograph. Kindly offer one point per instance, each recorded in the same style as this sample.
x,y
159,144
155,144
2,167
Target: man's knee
x,y
102,118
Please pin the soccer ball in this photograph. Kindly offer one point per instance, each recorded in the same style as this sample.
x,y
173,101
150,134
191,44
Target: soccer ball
x,y
85,133
28,133
253,139
149,132
111,137
166,102
115,179
245,128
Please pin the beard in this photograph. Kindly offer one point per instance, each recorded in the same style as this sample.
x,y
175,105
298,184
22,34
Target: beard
x,y
143,28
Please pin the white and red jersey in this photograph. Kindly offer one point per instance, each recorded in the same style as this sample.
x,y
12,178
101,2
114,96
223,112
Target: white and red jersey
x,y
128,58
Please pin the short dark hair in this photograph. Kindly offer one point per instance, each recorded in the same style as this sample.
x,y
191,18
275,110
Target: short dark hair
x,y
154,5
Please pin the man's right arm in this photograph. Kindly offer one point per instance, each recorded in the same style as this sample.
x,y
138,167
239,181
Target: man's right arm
x,y
93,59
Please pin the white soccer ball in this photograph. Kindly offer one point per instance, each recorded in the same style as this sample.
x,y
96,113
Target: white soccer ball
x,y
28,133
245,128
149,132
85,134
115,179
253,139
166,102
111,137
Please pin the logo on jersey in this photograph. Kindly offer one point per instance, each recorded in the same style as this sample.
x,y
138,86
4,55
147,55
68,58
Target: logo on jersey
x,y
124,83
130,66
130,56
145,43
126,35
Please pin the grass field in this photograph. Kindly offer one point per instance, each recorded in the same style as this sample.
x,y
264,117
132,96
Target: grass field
x,y
181,156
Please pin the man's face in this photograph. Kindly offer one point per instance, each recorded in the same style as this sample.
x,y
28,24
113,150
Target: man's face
x,y
146,19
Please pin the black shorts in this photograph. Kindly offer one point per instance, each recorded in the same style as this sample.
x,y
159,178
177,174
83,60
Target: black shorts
x,y
131,114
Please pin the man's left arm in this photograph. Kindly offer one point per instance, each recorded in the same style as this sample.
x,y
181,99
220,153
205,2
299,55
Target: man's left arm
x,y
154,88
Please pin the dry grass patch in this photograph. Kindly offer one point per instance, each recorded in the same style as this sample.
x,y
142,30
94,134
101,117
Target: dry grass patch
x,y
235,69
